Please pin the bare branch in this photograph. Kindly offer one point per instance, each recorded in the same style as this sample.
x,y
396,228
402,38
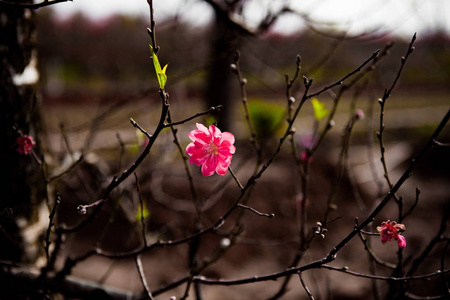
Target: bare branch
x,y
310,295
49,228
211,110
382,102
386,278
242,82
255,211
142,276
70,168
31,6
241,187
141,205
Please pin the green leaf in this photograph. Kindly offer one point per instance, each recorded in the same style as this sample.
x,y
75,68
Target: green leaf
x,y
320,111
160,74
162,77
142,212
267,118
211,119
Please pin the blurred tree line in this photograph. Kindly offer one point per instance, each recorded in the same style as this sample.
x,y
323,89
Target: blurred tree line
x,y
80,57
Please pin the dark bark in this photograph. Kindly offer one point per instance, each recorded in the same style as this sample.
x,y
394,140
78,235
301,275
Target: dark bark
x,y
221,82
22,185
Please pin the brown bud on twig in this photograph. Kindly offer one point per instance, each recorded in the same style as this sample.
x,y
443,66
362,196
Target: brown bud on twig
x,y
81,209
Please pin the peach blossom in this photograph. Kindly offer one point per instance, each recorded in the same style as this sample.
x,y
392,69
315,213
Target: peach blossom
x,y
24,144
389,230
211,149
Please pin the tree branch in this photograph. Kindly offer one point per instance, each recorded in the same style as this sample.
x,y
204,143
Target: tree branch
x,y
31,6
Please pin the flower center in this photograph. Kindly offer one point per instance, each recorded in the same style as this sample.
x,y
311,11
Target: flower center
x,y
213,149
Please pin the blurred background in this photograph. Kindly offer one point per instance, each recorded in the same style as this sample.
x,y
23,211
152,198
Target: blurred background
x,y
96,73
92,52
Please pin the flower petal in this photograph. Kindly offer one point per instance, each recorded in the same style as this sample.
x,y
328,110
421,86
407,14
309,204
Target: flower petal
x,y
199,136
400,227
190,149
227,136
209,166
216,134
202,127
221,169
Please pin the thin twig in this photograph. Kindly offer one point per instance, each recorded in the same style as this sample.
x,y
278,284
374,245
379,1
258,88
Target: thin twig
x,y
437,238
68,170
151,31
341,167
242,82
209,111
49,228
141,205
255,211
437,143
411,209
107,273
310,295
375,58
394,189
315,264
174,131
135,124
382,102
121,151
371,253
62,128
125,174
371,146
341,81
32,6
386,278
142,276
241,187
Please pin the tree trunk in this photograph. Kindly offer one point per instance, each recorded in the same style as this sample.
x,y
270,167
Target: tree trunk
x,y
22,186
221,82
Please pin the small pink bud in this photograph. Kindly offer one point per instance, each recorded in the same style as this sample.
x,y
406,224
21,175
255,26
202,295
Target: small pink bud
x,y
305,156
359,114
401,241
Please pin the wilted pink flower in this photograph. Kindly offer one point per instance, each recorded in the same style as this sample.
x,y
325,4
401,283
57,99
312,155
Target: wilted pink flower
x,y
24,144
389,230
211,148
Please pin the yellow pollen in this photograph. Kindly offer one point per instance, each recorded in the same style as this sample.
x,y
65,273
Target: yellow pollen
x,y
213,149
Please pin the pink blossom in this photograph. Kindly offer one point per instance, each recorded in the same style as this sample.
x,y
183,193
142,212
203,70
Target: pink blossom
x,y
307,140
359,114
304,156
211,148
389,230
24,144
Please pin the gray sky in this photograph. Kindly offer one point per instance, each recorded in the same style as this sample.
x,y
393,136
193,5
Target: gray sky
x,y
401,17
